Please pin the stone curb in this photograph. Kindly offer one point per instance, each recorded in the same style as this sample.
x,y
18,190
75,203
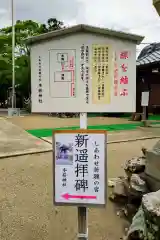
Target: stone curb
x,y
133,140
119,141
18,154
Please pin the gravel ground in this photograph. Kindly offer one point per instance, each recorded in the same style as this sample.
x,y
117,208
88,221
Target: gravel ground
x,y
26,208
39,121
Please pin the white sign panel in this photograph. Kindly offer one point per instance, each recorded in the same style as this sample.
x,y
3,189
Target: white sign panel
x,y
79,165
75,74
145,99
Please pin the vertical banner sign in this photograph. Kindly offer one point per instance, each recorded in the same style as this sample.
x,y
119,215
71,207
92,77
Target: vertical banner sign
x,y
85,70
101,74
79,167
124,80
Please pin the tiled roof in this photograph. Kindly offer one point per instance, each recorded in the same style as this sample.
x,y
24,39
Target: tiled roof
x,y
149,58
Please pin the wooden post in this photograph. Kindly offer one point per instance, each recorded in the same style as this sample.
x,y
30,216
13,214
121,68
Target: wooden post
x,y
82,211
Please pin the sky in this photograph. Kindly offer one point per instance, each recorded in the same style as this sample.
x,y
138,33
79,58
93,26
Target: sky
x,y
134,16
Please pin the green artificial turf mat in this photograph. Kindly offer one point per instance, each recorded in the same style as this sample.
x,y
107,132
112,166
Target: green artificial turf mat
x,y
47,132
154,117
115,127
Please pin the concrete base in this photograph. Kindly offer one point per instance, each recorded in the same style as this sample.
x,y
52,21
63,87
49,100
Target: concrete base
x,y
14,141
13,112
146,123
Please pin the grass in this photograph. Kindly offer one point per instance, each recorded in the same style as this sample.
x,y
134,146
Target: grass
x,y
47,132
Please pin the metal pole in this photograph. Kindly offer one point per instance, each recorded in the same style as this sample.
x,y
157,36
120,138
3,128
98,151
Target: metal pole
x,y
13,56
82,223
145,123
144,113
82,211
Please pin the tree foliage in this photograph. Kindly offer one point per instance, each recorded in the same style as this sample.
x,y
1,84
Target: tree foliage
x,y
23,30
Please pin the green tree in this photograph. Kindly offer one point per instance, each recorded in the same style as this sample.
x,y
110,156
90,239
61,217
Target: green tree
x,y
23,30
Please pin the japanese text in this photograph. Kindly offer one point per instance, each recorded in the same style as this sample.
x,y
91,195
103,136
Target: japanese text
x,y
96,175
81,160
40,93
84,69
100,59
71,68
115,76
64,177
124,80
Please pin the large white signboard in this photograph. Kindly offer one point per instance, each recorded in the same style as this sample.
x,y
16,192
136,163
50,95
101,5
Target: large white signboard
x,y
84,72
79,167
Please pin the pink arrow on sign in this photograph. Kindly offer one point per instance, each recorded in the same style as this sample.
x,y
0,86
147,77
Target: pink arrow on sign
x,y
67,196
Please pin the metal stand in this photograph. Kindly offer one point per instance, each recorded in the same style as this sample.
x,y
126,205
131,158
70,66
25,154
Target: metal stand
x,y
13,57
82,223
82,211
144,104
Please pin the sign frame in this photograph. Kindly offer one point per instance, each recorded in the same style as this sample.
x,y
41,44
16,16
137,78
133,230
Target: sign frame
x,y
81,131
